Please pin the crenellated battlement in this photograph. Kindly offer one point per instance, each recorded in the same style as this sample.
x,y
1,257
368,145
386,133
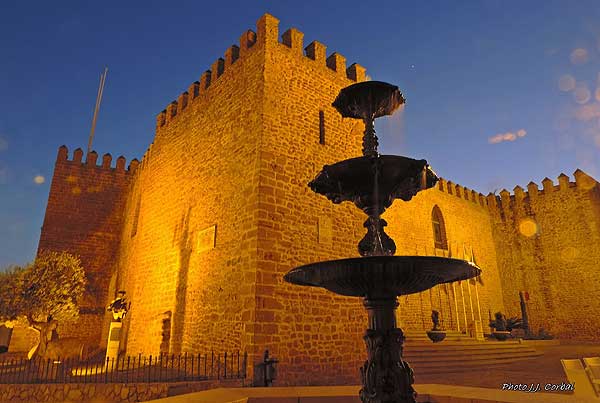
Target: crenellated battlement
x,y
266,36
462,192
91,160
520,198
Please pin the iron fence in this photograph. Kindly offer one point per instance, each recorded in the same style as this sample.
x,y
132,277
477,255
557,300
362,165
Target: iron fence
x,y
129,369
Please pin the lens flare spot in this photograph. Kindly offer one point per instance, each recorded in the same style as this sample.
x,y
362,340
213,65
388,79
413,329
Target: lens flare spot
x,y
569,253
582,95
579,56
566,83
76,190
528,227
39,179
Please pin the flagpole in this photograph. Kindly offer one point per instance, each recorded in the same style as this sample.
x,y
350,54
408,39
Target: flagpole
x,y
97,107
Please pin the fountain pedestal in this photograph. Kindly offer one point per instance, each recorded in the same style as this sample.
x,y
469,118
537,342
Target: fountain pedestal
x,y
384,375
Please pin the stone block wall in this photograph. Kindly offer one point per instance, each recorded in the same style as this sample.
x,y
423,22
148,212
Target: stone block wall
x,y
84,217
547,242
468,230
104,393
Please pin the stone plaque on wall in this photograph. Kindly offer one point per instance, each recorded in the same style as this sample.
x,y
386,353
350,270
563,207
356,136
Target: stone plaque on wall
x,y
325,231
207,238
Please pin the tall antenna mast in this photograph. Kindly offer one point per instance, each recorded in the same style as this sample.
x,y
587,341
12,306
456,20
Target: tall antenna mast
x,y
97,108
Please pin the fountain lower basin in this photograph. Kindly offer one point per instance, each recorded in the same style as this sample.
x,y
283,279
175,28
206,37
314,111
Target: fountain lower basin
x,y
382,276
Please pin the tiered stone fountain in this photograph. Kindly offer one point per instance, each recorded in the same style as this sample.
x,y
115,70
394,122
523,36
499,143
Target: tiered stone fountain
x,y
372,182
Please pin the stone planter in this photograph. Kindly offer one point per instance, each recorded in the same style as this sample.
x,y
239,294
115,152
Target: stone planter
x,y
501,335
436,335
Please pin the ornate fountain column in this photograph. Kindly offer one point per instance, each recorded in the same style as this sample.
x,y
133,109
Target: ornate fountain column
x,y
386,378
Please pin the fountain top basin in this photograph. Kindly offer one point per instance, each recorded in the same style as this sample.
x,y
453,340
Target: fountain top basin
x,y
382,276
368,100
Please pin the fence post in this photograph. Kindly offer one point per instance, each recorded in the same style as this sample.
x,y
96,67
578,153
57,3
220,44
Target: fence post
x,y
45,378
106,370
160,368
127,373
95,372
149,367
185,366
63,371
23,373
17,371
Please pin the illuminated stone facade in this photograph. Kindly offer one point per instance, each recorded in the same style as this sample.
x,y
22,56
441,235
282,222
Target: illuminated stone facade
x,y
201,233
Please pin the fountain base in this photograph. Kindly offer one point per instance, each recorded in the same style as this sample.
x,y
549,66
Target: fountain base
x,y
386,378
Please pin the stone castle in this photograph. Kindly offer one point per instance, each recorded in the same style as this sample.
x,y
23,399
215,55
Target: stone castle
x,y
202,230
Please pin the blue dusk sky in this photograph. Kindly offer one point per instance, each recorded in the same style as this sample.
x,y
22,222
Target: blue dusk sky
x,y
499,93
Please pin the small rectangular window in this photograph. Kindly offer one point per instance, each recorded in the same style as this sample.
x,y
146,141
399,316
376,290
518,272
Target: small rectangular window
x,y
321,127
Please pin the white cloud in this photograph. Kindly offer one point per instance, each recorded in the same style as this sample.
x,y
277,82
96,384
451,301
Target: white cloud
x,y
508,136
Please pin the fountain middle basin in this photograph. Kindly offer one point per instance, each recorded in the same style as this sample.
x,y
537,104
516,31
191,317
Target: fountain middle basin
x,y
382,276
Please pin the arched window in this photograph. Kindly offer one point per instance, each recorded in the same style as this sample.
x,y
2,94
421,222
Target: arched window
x,y
439,229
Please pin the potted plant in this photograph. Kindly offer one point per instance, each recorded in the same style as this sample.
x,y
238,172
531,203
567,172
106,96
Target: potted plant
x,y
503,327
436,334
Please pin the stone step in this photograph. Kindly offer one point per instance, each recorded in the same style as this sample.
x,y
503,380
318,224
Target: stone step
x,y
446,339
440,347
444,345
423,332
470,357
467,363
458,353
425,369
449,336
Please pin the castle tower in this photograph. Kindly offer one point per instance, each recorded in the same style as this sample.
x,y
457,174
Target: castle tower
x,y
219,209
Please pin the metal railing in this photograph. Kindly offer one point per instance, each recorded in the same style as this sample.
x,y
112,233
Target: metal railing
x,y
129,369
